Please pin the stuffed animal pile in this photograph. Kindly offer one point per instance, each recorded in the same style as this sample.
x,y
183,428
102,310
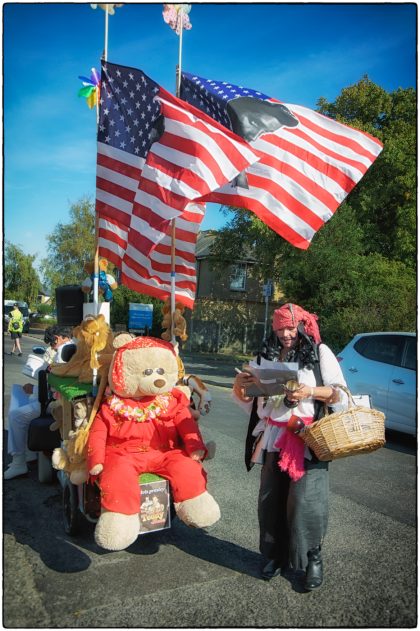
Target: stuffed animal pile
x,y
145,425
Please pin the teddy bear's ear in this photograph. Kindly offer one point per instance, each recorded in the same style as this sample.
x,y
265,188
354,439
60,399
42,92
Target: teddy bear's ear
x,y
100,318
121,339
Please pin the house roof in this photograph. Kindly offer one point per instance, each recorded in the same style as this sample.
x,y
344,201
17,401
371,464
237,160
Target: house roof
x,y
205,240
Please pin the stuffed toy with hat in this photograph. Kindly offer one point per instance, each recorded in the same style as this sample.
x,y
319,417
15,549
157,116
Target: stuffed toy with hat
x,y
145,425
180,324
106,282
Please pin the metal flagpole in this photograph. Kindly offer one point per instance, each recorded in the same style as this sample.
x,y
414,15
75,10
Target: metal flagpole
x,y
173,224
96,259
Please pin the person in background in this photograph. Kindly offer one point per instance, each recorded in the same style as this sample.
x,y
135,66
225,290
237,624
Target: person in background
x,y
15,328
25,406
61,343
293,496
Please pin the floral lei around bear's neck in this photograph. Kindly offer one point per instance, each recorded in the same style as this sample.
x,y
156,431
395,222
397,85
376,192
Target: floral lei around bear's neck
x,y
158,406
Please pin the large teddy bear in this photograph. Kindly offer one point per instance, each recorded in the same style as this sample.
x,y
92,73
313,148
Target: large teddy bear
x,y
145,425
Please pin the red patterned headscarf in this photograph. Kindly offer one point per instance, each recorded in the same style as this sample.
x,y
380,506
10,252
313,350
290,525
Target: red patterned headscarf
x,y
290,315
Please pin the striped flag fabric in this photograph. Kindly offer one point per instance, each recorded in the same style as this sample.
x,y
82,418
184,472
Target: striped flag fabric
x,y
308,162
156,159
151,274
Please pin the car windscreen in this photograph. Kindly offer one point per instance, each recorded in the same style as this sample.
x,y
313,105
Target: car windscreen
x,y
24,310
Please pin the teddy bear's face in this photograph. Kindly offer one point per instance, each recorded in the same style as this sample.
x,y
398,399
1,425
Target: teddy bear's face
x,y
143,372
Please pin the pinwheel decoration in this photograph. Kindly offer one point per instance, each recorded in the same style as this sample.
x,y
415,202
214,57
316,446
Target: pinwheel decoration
x,y
176,15
91,88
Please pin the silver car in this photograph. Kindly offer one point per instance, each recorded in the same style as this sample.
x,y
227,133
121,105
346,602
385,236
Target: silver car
x,y
384,366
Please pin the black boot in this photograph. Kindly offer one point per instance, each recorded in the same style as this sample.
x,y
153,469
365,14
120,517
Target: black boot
x,y
314,576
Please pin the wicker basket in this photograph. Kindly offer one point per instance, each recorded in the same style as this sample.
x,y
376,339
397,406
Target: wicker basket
x,y
358,430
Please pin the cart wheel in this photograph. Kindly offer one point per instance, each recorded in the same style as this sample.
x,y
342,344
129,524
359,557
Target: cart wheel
x,y
45,469
71,513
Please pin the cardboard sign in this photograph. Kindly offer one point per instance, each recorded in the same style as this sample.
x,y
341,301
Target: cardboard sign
x,y
155,511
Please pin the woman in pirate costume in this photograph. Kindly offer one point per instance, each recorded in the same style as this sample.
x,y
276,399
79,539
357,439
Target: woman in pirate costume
x,y
293,496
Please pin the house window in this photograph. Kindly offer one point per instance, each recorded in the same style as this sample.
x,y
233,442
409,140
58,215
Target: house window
x,y
238,277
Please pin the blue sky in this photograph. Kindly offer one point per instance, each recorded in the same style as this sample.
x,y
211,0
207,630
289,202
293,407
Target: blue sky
x,y
293,52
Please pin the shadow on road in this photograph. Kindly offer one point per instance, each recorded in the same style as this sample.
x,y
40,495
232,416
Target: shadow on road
x,y
397,441
33,517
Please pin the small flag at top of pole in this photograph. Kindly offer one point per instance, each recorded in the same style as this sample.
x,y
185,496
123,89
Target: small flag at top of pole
x,y
176,15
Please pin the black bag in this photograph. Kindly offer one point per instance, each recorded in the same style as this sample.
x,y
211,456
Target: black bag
x,y
40,438
16,325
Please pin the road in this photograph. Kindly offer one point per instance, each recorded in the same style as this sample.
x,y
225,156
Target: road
x,y
191,578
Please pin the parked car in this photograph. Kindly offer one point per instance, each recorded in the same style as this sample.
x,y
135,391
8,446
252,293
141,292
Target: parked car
x,y
384,365
8,307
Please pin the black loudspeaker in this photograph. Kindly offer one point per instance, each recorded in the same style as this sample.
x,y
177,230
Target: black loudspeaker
x,y
69,301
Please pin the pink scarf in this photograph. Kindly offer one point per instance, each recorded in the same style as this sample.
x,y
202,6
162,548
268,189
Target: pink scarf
x,y
292,450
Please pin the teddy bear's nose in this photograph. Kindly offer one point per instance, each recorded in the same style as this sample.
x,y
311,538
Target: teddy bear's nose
x,y
159,383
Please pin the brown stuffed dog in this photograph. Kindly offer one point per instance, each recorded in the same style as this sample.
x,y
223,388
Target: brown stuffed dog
x,y
180,324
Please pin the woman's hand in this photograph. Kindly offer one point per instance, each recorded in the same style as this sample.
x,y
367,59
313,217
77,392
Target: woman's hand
x,y
326,394
243,379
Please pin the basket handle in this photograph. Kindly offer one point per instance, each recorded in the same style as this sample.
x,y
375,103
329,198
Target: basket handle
x,y
351,402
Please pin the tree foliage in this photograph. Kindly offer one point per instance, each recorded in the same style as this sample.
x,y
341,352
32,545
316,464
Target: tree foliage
x,y
21,280
359,272
70,245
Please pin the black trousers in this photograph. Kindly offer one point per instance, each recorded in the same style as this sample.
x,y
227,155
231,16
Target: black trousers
x,y
293,516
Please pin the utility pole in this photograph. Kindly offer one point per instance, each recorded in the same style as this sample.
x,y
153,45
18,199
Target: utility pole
x,y
267,293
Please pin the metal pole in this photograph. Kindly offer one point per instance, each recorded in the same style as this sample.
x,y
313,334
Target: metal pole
x,y
173,224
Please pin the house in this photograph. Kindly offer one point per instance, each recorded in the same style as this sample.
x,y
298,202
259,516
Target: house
x,y
231,310
44,298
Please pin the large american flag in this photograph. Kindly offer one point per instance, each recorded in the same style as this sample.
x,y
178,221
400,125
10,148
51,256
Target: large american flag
x,y
307,167
146,180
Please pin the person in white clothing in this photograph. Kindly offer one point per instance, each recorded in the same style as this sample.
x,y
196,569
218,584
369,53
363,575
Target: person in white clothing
x,y
25,406
293,496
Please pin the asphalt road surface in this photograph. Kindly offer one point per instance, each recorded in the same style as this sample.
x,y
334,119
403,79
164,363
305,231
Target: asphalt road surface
x,y
191,578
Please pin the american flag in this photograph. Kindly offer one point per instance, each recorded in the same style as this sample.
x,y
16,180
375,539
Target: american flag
x,y
308,164
147,176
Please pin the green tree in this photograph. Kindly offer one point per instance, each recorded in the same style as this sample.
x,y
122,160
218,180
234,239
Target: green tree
x,y
70,245
385,198
21,280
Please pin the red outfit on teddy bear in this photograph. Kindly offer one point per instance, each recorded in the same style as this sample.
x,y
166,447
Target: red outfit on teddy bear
x,y
146,425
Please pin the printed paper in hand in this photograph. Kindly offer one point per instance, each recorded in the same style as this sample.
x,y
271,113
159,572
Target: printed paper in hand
x,y
272,376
